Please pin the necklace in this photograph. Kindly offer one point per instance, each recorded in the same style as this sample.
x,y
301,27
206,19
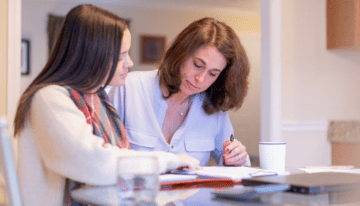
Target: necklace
x,y
173,105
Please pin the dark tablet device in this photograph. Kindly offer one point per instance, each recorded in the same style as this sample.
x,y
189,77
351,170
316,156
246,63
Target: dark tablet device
x,y
310,183
248,192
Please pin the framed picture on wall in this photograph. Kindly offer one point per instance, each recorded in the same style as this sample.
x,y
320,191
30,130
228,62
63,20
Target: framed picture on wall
x,y
152,48
25,57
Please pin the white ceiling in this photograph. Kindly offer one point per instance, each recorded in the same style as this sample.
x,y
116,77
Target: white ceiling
x,y
234,5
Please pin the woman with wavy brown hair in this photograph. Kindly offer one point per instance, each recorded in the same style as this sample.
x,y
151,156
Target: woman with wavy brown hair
x,y
182,107
69,133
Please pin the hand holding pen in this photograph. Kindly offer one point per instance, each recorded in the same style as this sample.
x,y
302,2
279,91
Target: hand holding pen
x,y
234,152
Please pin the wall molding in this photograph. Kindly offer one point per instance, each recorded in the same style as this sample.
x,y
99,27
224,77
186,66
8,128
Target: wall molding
x,y
14,63
320,126
270,69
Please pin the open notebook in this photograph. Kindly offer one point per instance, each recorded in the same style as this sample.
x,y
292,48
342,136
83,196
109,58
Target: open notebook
x,y
234,173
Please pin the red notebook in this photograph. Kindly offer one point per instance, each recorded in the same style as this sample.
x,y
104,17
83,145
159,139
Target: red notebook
x,y
199,183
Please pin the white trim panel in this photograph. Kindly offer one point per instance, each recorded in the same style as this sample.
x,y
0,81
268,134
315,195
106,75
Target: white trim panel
x,y
14,63
305,126
270,97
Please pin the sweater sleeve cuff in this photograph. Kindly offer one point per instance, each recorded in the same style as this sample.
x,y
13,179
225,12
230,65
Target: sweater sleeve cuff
x,y
167,161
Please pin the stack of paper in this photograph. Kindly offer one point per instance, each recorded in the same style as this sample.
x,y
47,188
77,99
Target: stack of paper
x,y
176,177
331,168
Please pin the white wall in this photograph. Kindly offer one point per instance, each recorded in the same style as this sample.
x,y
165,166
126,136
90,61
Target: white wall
x,y
318,85
169,22
4,54
10,40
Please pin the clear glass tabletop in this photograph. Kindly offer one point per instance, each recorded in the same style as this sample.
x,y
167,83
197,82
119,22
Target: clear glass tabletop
x,y
204,196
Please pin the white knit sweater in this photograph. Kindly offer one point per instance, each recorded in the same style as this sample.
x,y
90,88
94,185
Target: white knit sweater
x,y
58,144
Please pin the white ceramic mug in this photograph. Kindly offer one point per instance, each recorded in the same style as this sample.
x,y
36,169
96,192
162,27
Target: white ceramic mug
x,y
272,156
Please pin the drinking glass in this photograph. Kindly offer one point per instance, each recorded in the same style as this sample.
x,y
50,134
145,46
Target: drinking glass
x,y
138,181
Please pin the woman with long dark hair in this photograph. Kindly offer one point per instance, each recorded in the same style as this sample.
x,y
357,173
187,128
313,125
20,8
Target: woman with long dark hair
x,y
69,134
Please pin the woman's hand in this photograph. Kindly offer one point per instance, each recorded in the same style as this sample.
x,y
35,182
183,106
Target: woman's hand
x,y
188,163
234,153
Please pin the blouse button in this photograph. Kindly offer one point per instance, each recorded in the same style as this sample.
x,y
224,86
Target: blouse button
x,y
172,146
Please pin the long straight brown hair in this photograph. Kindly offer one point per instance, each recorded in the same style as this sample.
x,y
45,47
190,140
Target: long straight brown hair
x,y
86,51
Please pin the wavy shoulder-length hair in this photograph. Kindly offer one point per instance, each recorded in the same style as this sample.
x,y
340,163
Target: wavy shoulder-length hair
x,y
85,53
230,88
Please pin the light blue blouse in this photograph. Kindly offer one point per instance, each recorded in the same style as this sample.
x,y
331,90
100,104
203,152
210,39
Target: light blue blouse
x,y
142,108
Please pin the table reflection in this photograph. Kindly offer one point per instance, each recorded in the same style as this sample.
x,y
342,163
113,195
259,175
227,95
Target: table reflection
x,y
109,195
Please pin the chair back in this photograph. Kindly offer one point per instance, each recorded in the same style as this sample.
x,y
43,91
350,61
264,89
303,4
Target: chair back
x,y
7,163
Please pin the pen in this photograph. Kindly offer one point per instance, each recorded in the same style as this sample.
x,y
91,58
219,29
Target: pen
x,y
231,138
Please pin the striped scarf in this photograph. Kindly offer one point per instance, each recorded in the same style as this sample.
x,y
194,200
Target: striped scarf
x,y
102,116
106,124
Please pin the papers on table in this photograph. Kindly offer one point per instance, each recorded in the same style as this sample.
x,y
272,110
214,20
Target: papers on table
x,y
344,169
212,177
175,177
234,173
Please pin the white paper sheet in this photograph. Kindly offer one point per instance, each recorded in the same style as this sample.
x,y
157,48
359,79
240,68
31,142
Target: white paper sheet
x,y
235,173
354,171
176,177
